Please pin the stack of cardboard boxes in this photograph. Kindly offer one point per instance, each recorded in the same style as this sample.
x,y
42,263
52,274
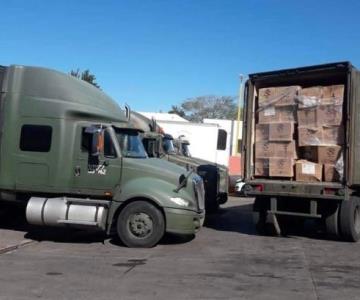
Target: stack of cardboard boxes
x,y
275,148
301,127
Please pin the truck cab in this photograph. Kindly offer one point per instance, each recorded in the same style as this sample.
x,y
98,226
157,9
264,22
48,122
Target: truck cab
x,y
68,152
161,145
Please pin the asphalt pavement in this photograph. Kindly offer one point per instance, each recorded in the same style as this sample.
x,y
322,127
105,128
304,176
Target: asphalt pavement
x,y
226,260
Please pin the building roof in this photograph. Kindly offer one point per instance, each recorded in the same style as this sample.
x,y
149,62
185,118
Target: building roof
x,y
163,116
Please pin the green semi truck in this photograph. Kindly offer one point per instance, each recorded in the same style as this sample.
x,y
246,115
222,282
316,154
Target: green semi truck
x,y
161,145
68,152
334,200
181,145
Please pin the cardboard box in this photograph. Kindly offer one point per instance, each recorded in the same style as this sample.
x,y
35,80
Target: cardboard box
x,y
322,154
262,167
329,115
281,167
276,114
333,94
284,149
307,117
325,135
309,136
281,131
333,135
330,173
277,167
321,115
267,149
278,96
264,149
310,97
287,113
313,91
307,171
274,132
262,132
269,114
328,154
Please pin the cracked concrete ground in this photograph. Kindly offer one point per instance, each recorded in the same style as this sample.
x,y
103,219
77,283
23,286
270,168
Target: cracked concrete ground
x,y
226,260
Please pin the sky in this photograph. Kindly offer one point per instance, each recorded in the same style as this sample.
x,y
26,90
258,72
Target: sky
x,y
152,54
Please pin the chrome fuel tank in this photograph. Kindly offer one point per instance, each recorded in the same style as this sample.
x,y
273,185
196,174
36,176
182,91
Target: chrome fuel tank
x,y
64,211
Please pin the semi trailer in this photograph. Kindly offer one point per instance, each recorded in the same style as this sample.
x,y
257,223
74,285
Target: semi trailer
x,y
301,147
69,153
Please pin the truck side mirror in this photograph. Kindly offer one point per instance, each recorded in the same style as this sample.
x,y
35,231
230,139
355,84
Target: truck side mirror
x,y
97,145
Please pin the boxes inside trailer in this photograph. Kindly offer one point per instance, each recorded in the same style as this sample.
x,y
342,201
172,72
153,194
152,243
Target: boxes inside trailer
x,y
299,133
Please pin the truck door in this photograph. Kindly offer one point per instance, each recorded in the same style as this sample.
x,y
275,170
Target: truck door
x,y
97,165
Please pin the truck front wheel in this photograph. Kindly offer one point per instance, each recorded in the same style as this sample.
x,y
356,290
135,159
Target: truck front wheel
x,y
140,225
350,219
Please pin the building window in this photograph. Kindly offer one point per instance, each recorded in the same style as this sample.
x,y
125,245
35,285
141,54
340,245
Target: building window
x,y
35,138
222,137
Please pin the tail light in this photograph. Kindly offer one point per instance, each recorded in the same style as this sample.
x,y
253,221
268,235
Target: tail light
x,y
330,191
259,187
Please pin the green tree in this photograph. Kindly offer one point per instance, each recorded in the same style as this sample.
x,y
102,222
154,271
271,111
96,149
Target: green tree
x,y
212,107
177,110
86,76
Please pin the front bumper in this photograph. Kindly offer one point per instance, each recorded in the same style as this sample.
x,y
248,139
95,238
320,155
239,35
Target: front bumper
x,y
183,221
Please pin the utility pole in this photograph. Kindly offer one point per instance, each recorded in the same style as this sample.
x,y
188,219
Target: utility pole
x,y
240,101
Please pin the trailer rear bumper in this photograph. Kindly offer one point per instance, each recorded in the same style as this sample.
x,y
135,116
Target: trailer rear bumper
x,y
272,188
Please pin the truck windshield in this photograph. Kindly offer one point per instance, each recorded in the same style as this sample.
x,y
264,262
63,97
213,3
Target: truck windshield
x,y
130,143
168,146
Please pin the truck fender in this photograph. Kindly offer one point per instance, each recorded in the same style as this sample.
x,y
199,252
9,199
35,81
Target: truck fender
x,y
149,189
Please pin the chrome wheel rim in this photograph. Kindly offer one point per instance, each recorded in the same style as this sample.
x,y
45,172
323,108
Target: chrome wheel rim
x,y
140,225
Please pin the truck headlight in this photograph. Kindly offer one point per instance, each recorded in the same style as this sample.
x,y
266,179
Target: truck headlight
x,y
180,201
199,191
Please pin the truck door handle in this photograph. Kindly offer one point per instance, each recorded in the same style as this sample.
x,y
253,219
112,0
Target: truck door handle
x,y
77,171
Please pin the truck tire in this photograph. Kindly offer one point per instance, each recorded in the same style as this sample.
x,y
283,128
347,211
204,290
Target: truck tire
x,y
260,218
350,219
140,225
332,222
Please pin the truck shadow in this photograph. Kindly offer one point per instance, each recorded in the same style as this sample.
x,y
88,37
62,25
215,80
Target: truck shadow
x,y
13,218
240,219
235,218
168,239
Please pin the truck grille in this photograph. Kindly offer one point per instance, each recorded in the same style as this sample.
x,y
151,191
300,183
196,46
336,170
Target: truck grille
x,y
199,192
